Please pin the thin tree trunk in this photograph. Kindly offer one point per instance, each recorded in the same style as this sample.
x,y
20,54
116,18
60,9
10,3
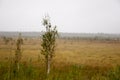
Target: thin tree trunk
x,y
48,66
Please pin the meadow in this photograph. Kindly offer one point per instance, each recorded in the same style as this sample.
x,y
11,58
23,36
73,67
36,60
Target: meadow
x,y
75,59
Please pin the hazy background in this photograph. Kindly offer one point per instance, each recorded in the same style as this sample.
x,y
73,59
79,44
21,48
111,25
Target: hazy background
x,y
86,16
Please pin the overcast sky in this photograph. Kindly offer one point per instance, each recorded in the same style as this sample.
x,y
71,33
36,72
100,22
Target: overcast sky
x,y
86,16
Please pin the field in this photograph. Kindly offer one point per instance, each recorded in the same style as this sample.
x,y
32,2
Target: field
x,y
74,60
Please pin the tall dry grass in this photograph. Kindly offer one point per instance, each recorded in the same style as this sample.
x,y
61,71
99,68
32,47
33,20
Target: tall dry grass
x,y
74,60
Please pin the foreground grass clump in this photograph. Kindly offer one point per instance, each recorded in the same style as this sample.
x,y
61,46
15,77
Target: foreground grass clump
x,y
29,71
114,74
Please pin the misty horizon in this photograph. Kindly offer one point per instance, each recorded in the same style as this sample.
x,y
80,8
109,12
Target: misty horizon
x,y
71,16
58,32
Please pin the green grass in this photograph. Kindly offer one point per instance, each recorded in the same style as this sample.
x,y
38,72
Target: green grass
x,y
29,71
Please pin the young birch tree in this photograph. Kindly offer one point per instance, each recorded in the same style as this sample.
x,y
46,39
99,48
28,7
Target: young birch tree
x,y
48,43
18,52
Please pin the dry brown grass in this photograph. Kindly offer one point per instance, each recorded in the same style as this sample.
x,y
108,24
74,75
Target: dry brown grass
x,y
91,53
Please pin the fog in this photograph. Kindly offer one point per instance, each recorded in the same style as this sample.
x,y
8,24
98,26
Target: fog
x,y
78,16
